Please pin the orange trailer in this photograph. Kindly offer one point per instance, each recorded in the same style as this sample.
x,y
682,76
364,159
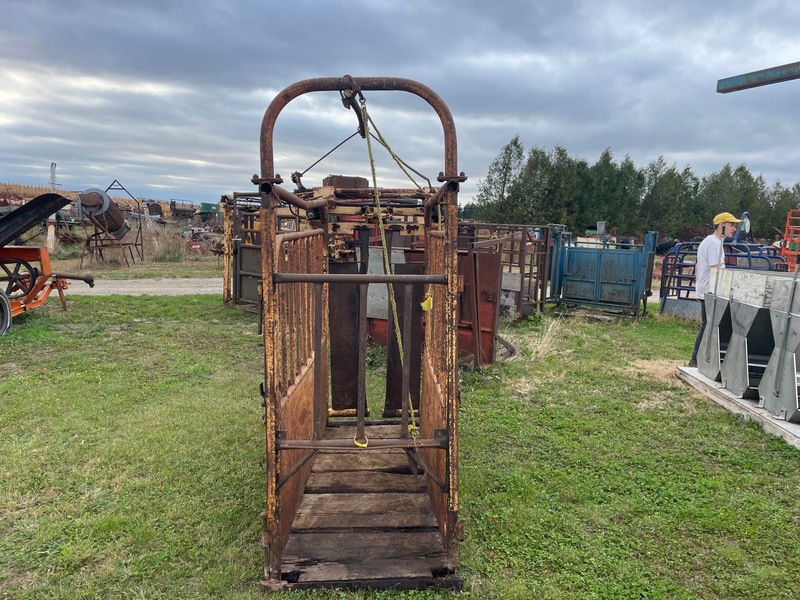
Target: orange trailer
x,y
26,277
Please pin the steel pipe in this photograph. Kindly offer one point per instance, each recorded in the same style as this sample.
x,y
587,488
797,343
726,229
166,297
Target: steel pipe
x,y
356,278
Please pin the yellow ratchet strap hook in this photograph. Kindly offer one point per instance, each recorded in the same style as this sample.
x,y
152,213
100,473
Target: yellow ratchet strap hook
x,y
427,303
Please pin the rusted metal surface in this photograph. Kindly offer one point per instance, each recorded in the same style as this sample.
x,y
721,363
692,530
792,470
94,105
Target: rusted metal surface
x,y
403,376
109,223
344,304
525,259
346,84
298,284
242,244
366,278
477,329
480,306
295,337
227,252
104,212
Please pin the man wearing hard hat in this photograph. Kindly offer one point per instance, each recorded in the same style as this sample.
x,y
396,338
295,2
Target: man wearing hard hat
x,y
710,253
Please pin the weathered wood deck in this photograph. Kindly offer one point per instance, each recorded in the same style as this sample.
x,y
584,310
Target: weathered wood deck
x,y
365,521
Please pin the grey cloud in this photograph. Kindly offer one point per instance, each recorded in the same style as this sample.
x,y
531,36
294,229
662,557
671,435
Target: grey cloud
x,y
168,97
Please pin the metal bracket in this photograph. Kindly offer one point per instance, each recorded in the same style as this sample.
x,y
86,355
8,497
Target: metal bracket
x,y
460,178
272,180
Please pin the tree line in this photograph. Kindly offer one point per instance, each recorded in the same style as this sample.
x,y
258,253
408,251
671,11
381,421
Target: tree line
x,y
543,187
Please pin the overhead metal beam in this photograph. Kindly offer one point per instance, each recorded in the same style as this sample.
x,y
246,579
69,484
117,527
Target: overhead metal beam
x,y
759,78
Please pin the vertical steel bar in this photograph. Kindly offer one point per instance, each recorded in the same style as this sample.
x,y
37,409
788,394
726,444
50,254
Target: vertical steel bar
x,y
319,384
388,259
476,304
291,309
363,238
522,245
271,518
297,301
308,330
406,339
361,409
283,313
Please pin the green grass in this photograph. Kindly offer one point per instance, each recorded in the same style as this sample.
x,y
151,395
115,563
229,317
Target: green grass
x,y
132,444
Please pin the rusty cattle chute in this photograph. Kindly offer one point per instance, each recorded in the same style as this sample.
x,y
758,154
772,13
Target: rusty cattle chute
x,y
358,503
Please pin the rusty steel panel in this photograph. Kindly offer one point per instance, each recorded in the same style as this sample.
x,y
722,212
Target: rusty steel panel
x,y
296,372
440,371
525,260
394,367
482,286
296,420
344,344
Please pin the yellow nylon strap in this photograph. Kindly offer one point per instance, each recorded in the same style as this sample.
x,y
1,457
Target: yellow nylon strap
x,y
412,428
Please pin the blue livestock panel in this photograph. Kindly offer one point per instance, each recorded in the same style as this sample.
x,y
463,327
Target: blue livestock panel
x,y
604,275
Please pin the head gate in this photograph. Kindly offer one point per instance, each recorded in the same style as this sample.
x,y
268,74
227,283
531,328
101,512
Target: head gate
x,y
302,290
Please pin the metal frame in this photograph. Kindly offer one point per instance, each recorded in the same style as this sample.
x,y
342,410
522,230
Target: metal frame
x,y
677,291
525,250
602,275
99,240
295,291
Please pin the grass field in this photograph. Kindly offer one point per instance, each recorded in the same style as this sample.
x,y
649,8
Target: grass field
x,y
132,444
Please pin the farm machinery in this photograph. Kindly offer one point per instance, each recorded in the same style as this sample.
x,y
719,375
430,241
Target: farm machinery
x,y
26,276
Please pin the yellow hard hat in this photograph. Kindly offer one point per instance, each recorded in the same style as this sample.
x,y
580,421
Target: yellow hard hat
x,y
725,218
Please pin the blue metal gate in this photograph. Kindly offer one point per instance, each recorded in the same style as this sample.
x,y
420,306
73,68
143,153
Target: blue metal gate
x,y
604,275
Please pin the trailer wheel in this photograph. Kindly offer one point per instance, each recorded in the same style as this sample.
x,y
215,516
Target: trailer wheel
x,y
17,276
5,313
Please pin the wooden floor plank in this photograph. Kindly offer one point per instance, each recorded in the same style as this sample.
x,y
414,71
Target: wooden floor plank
x,y
371,460
364,482
341,574
354,546
364,510
365,521
377,432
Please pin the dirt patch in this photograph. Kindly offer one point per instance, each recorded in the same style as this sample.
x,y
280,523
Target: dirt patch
x,y
525,389
663,371
659,370
9,368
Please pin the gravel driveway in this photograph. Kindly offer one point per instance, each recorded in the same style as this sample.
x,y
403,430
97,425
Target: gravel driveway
x,y
146,287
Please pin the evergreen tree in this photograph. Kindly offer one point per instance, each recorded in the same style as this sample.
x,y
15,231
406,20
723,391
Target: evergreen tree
x,y
493,190
554,187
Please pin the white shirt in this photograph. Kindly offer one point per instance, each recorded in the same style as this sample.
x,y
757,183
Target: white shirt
x,y
709,254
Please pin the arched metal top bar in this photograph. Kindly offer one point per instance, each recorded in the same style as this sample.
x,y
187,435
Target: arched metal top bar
x,y
326,84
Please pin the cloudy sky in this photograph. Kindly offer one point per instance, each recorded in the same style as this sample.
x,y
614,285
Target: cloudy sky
x,y
167,96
